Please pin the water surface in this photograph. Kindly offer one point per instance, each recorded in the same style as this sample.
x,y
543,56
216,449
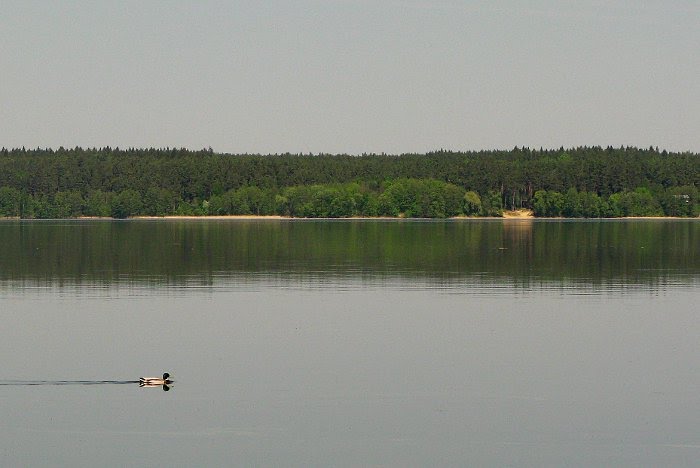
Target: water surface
x,y
350,343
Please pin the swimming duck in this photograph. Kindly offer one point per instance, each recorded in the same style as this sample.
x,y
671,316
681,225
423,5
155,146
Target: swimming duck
x,y
155,381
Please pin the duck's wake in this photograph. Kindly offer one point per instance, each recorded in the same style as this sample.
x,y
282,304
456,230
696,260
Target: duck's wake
x,y
65,382
149,382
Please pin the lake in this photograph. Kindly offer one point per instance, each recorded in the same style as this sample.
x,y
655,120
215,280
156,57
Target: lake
x,y
350,342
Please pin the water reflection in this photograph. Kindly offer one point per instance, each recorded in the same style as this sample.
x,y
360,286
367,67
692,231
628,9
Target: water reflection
x,y
165,387
518,230
467,254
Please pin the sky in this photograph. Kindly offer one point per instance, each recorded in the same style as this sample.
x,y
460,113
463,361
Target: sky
x,y
350,76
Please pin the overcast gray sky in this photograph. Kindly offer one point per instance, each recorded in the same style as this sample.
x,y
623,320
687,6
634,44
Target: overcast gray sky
x,y
350,75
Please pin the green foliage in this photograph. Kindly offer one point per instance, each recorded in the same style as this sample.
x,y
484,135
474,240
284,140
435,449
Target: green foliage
x,y
576,182
40,207
572,204
491,204
318,201
453,197
68,204
416,198
680,201
184,209
640,202
10,201
159,201
548,203
472,203
327,201
127,203
98,203
255,200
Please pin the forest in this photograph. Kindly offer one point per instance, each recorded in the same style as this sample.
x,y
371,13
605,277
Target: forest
x,y
586,182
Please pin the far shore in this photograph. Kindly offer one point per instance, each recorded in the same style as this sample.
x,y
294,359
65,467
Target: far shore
x,y
505,217
213,217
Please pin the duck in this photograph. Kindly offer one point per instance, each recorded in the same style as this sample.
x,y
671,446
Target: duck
x,y
155,381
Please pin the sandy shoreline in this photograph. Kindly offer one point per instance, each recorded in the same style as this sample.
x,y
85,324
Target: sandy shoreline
x,y
214,217
506,216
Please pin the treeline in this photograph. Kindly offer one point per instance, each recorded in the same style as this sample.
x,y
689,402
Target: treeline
x,y
579,182
411,198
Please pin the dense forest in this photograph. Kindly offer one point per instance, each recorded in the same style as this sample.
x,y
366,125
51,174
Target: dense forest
x,y
577,182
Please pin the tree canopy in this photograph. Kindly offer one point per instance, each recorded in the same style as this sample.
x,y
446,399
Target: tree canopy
x,y
576,182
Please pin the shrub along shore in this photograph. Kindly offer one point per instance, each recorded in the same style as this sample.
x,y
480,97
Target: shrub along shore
x,y
574,183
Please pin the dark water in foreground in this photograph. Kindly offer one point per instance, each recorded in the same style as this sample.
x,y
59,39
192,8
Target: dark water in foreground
x,y
350,343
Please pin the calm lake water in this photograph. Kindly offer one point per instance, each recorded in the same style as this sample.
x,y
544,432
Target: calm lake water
x,y
350,343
